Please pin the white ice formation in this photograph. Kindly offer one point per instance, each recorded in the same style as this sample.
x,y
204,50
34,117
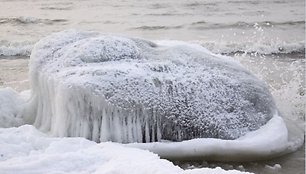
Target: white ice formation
x,y
113,88
11,105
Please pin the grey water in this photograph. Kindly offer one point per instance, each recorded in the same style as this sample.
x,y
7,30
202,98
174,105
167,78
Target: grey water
x,y
266,36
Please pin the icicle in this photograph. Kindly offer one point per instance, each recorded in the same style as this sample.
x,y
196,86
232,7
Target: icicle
x,y
105,126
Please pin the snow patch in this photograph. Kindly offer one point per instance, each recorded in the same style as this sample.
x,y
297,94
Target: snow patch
x,y
25,150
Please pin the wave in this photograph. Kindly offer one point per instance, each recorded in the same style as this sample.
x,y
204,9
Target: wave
x,y
15,48
8,48
30,20
162,27
240,24
196,4
56,8
244,2
168,14
158,6
253,48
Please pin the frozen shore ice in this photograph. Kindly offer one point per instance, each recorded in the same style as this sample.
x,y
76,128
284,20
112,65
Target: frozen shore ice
x,y
112,88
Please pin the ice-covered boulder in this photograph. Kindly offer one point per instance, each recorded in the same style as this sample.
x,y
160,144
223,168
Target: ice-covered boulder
x,y
114,88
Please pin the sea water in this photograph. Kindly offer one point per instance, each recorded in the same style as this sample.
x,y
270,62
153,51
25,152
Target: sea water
x,y
266,36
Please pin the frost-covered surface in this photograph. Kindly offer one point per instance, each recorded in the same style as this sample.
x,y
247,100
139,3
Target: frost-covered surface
x,y
110,88
25,150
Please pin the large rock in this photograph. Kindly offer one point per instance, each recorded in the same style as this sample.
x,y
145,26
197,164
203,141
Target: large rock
x,y
111,88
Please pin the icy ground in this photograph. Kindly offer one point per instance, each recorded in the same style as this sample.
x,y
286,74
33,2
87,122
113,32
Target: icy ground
x,y
25,150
